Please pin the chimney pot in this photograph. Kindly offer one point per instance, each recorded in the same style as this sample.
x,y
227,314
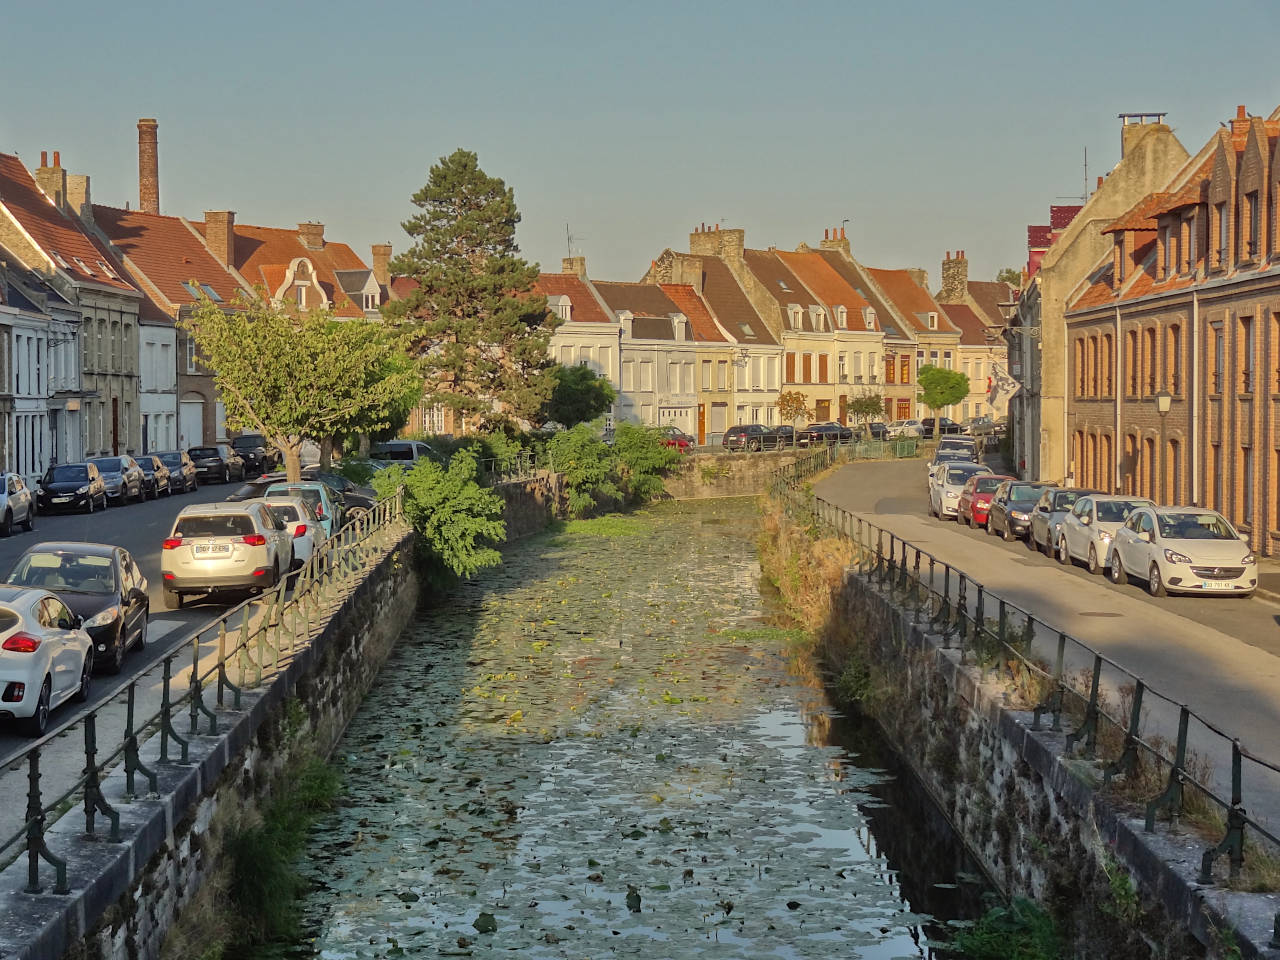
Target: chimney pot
x,y
1099,183
44,158
57,159
148,166
1240,115
826,234
842,236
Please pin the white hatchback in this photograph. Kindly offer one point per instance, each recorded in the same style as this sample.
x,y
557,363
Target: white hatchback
x,y
299,518
1183,550
46,657
946,481
1086,531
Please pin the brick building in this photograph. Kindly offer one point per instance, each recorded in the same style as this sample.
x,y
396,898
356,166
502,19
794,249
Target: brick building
x,y
1187,303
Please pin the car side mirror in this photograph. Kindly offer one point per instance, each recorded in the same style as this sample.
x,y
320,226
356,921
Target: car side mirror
x,y
1085,521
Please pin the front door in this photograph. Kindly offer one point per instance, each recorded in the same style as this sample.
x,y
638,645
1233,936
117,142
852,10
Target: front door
x,y
844,410
191,424
904,410
702,424
822,411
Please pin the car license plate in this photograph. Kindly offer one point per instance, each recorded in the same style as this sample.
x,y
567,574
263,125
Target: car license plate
x,y
61,499
1216,584
211,549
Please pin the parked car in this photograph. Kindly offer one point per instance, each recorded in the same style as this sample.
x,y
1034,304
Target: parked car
x,y
405,451
256,451
1182,550
17,504
745,436
952,455
1085,533
905,428
219,547
1009,514
966,444
974,504
46,658
673,436
946,426
356,500
218,463
979,426
298,517
122,477
946,485
780,437
1046,519
322,500
254,488
156,475
71,486
182,472
877,430
828,432
101,584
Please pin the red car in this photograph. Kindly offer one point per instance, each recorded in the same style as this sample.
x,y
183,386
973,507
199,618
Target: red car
x,y
675,437
975,498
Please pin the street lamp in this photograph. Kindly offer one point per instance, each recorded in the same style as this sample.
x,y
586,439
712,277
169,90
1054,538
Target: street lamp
x,y
1164,403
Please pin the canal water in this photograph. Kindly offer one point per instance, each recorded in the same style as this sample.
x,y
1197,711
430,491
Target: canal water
x,y
608,747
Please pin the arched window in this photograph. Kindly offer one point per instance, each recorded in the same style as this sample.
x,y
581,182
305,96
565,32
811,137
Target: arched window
x,y
1108,365
1080,372
1150,364
1092,385
1131,362
1173,359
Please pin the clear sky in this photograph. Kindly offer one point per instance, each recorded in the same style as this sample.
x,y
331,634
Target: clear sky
x,y
930,126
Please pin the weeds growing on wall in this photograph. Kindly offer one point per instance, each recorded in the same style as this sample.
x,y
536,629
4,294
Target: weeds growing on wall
x,y
1017,931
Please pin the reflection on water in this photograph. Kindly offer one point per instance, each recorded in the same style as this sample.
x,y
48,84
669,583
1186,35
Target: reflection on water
x,y
598,750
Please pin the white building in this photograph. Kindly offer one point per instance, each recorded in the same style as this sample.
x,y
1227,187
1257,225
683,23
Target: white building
x,y
158,385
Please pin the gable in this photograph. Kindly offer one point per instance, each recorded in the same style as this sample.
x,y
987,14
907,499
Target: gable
x,y
1253,162
1222,181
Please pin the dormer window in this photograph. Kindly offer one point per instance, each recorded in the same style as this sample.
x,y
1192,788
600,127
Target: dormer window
x,y
561,307
842,318
1255,233
933,320
818,317
370,301
795,315
869,317
300,294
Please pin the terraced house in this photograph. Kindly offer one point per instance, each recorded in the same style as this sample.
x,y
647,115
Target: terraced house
x,y
1174,362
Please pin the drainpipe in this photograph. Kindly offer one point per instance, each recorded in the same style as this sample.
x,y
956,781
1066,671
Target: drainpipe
x,y
1118,386
1193,397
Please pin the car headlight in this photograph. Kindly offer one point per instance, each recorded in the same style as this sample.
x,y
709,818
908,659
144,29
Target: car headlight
x,y
82,490
1172,556
1104,536
1019,515
952,495
101,619
1249,558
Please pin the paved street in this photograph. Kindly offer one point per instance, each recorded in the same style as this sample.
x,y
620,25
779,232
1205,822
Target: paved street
x,y
1217,655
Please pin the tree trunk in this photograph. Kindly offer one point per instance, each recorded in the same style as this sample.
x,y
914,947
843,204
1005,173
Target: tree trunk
x,y
292,460
326,453
365,445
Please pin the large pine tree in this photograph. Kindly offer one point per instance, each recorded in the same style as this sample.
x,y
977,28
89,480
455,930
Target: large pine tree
x,y
481,332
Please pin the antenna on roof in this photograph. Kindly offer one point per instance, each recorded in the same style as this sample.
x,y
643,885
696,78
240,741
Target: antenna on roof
x,y
568,240
1084,197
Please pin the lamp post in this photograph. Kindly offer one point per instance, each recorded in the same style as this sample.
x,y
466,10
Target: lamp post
x,y
1164,403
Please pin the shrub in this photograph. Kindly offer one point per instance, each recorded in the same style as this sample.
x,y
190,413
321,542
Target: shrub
x,y
589,467
1019,931
643,458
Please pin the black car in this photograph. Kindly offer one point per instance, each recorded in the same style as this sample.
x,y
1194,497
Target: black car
x,y
953,455
71,486
1011,506
877,430
829,432
745,436
780,437
255,487
217,463
101,584
948,426
356,500
182,472
258,454
156,476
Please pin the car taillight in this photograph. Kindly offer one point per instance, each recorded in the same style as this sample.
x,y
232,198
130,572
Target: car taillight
x,y
252,540
301,530
172,543
21,643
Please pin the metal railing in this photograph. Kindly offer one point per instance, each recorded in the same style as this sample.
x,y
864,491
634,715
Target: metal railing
x,y
495,470
243,649
1007,643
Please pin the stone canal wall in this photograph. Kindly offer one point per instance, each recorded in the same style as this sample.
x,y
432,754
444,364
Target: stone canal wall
x,y
706,475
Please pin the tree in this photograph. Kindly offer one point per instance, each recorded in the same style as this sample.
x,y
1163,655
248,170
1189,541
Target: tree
x,y
791,406
940,388
301,377
1011,276
865,406
579,396
481,332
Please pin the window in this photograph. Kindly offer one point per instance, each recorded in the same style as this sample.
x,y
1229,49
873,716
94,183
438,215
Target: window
x,y
904,372
1193,251
796,316
946,359
191,355
1166,241
806,365
370,301
706,374
722,375
191,290
1219,354
869,318
1149,364
1245,350
1255,226
57,256
783,285
1108,363
1092,385
1217,477
1173,359
1220,211
300,295
1174,475
842,367
842,318
890,368
1246,489
1131,362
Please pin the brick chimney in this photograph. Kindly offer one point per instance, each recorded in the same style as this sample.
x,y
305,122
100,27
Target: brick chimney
x,y
220,235
78,197
574,265
836,241
312,235
955,278
53,180
382,263
148,167
714,242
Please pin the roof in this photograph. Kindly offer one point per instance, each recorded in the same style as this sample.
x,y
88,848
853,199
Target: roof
x,y
988,295
823,281
166,253
58,235
726,298
1141,216
75,546
1195,190
910,298
1061,215
974,332
263,255
640,299
854,275
401,287
783,285
652,328
585,307
1039,237
702,324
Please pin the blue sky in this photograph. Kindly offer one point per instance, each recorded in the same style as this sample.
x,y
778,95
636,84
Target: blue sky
x,y
931,126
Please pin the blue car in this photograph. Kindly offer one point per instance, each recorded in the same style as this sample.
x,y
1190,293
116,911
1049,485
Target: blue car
x,y
317,495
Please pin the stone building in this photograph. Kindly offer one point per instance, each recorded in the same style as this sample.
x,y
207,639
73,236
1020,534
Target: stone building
x,y
1184,308
589,333
935,339
974,306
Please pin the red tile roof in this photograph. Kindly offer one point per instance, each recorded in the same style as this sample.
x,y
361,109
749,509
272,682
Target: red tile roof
x,y
1039,237
61,237
989,294
823,281
725,296
1141,216
1060,216
854,275
584,306
783,285
1098,292
910,298
973,331
401,287
700,320
165,252
263,255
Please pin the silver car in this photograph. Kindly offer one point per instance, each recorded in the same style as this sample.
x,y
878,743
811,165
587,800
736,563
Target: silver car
x,y
17,503
945,483
217,547
1087,530
123,478
1046,519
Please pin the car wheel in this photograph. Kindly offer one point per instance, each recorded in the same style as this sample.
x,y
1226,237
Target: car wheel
x,y
1115,569
172,599
1006,533
753,445
1064,555
1155,585
1093,566
226,474
86,677
116,663
1047,547
36,724
141,642
29,524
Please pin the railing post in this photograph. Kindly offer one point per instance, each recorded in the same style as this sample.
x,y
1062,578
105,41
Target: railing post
x,y
1233,843
167,731
132,765
1127,762
197,693
36,847
94,801
1171,799
1054,700
1088,729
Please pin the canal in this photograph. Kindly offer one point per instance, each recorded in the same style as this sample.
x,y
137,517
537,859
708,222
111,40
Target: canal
x,y
610,747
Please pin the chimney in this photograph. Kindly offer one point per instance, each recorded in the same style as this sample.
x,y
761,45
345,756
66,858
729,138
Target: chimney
x,y
44,158
574,265
955,278
312,235
725,244
382,263
53,181
837,242
1239,125
920,275
148,167
78,197
220,235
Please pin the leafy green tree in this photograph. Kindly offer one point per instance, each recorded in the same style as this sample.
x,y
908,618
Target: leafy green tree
x,y
589,468
1010,275
865,407
941,388
791,406
456,519
301,377
580,396
642,459
481,332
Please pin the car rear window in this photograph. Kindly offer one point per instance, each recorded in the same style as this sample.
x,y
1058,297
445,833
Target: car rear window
x,y
987,484
217,525
302,493
959,474
203,452
285,514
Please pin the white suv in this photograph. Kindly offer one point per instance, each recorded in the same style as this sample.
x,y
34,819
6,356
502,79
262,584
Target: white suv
x,y
216,547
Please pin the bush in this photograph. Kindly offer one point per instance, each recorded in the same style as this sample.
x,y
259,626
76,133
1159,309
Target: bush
x,y
1020,931
643,458
457,520
589,467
